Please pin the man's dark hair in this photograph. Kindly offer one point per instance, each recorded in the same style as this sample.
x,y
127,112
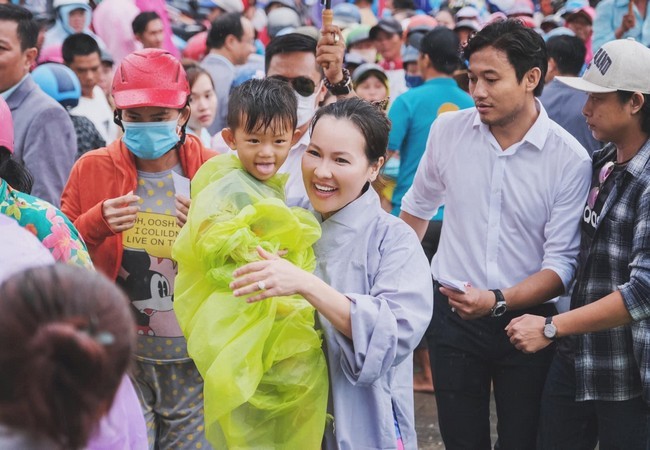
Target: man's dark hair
x,y
524,48
79,44
625,96
222,27
404,4
27,30
442,46
289,43
568,53
259,104
139,24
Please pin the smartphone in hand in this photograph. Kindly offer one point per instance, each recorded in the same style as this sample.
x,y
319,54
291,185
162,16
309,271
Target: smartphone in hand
x,y
454,285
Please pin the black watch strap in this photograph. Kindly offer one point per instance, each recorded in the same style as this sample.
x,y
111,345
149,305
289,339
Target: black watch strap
x,y
550,330
343,87
499,307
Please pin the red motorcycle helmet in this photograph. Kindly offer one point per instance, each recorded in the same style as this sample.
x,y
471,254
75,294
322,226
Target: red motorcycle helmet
x,y
6,127
150,77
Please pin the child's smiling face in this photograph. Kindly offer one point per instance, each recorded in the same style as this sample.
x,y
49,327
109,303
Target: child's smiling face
x,y
263,150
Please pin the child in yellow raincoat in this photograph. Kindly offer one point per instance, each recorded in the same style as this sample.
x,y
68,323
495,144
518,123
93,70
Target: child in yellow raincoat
x,y
264,370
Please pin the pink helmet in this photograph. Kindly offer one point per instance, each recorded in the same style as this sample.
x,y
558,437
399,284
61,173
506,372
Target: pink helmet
x,y
150,77
6,127
50,54
196,47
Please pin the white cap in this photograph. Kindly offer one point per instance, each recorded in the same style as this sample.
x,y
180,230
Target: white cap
x,y
467,12
58,3
620,65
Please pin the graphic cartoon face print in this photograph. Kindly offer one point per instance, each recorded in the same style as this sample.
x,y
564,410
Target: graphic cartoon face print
x,y
148,281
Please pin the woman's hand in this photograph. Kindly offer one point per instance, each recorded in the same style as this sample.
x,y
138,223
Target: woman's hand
x,y
120,213
271,277
182,204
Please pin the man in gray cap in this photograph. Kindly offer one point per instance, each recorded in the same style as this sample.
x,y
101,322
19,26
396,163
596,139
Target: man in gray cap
x,y
601,371
387,37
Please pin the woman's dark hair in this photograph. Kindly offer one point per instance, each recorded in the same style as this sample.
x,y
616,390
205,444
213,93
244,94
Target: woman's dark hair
x,y
625,96
193,70
66,339
523,46
369,120
259,104
14,173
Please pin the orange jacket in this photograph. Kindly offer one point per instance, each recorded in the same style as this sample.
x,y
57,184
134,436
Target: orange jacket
x,y
107,173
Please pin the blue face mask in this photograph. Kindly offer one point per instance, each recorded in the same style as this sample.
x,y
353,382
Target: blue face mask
x,y
413,80
150,140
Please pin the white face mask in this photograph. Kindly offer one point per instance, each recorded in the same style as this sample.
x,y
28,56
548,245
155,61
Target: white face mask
x,y
306,107
367,54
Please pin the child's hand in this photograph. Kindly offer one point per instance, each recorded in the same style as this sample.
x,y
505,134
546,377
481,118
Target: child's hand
x,y
182,209
271,277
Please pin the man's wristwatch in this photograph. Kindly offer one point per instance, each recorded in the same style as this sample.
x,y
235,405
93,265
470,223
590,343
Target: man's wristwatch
x,y
343,87
499,307
550,330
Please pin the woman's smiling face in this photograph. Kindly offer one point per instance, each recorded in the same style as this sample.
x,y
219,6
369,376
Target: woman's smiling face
x,y
335,167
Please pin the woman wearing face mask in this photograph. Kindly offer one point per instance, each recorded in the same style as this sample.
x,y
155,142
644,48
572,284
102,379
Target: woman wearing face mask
x,y
121,198
371,287
203,100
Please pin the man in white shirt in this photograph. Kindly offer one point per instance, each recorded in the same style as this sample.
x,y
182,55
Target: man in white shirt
x,y
513,183
81,53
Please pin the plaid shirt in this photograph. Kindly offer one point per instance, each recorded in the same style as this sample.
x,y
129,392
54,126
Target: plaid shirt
x,y
614,364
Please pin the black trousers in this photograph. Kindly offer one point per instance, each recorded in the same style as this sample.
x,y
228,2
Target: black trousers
x,y
566,424
468,358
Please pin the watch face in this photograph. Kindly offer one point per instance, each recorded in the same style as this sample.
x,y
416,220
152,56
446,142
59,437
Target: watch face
x,y
500,309
550,331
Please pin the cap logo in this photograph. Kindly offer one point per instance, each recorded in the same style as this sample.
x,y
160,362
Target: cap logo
x,y
602,61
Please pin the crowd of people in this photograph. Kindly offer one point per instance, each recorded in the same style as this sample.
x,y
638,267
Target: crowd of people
x,y
234,224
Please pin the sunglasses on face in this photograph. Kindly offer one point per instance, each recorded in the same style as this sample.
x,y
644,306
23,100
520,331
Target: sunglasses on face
x,y
302,85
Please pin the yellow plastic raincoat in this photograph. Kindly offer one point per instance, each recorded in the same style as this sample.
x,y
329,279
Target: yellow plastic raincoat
x,y
264,370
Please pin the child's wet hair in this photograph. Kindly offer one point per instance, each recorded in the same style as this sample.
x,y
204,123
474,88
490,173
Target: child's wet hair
x,y
261,104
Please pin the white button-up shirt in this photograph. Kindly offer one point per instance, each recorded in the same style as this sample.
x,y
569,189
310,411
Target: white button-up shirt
x,y
508,213
295,188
